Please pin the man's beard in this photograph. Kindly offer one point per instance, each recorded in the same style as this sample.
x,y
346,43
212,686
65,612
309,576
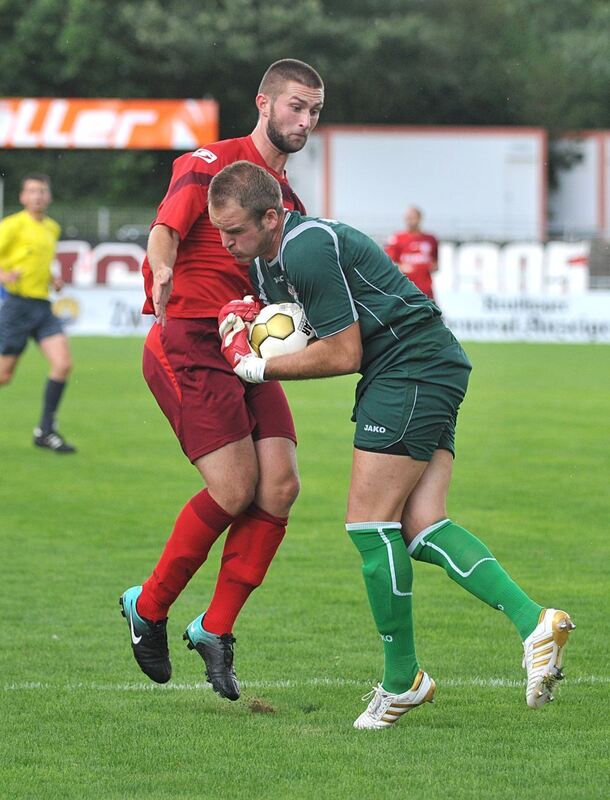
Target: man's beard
x,y
283,143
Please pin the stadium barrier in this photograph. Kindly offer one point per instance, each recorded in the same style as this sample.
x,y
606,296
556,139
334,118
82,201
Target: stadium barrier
x,y
522,291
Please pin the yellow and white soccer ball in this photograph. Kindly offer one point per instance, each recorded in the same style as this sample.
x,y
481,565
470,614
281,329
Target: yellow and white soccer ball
x,y
280,329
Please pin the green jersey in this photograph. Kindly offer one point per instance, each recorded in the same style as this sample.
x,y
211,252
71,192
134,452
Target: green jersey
x,y
340,275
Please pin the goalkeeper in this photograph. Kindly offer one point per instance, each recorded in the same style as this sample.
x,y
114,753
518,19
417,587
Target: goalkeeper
x,y
369,319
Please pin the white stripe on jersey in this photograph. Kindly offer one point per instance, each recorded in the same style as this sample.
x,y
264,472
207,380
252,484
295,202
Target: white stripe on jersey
x,y
259,274
383,324
313,224
377,289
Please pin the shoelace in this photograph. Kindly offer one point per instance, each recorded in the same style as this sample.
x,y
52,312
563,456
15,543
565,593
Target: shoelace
x,y
227,640
156,632
377,696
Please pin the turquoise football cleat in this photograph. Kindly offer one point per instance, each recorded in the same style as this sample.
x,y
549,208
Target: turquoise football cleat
x,y
217,654
148,639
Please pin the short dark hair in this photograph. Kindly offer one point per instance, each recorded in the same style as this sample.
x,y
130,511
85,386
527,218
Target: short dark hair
x,y
255,189
36,176
289,69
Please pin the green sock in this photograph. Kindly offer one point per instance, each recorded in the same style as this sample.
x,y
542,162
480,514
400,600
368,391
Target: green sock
x,y
468,562
388,577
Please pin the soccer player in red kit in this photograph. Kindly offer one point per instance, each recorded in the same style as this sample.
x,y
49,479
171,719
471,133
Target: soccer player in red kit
x,y
240,437
415,252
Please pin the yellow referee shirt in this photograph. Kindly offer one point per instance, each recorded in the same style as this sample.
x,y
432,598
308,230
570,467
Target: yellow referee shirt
x,y
27,246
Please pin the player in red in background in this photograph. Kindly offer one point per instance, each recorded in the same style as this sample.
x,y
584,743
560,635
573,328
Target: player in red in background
x,y
415,252
240,437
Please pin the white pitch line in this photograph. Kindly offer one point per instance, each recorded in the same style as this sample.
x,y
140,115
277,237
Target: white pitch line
x,y
587,680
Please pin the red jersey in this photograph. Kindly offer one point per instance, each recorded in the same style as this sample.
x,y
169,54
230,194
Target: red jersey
x,y
206,276
416,255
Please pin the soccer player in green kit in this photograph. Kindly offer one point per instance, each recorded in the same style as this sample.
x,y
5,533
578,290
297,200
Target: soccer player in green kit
x,y
368,318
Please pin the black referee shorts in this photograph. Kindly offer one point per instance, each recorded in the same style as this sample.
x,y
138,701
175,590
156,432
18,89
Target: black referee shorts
x,y
22,318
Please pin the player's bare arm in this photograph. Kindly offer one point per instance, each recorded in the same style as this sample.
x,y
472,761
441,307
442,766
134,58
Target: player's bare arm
x,y
162,251
339,354
9,277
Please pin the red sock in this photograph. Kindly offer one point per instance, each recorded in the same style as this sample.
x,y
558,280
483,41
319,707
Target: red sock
x,y
251,543
199,524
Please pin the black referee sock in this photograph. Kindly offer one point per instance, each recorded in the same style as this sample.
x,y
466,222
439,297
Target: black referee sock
x,y
52,395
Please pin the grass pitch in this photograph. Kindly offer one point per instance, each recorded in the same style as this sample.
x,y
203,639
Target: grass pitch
x,y
80,721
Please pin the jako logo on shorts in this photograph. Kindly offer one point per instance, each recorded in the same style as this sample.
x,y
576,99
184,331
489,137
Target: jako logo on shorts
x,y
374,428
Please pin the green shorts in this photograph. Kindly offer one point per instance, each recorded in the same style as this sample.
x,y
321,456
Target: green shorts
x,y
413,414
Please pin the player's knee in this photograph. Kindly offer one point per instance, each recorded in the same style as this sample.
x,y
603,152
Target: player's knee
x,y
417,518
287,492
278,496
63,368
240,500
6,373
236,498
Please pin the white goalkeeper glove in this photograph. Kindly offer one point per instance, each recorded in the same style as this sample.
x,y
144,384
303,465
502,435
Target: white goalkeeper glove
x,y
251,368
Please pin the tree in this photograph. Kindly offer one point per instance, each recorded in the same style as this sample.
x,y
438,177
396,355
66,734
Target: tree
x,y
434,62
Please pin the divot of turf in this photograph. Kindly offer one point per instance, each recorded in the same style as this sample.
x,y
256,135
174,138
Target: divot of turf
x,y
258,706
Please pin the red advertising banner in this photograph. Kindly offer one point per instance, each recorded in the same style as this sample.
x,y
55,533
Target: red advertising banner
x,y
28,122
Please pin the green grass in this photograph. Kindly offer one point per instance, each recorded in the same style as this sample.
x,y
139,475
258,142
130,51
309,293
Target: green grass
x,y
78,720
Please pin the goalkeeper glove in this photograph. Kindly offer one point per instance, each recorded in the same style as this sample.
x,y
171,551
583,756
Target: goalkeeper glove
x,y
236,349
247,309
234,335
235,319
251,369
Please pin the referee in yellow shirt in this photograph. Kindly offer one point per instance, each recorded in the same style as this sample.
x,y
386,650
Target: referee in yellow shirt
x,y
27,248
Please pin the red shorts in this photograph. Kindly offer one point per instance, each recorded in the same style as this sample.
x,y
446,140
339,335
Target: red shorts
x,y
206,404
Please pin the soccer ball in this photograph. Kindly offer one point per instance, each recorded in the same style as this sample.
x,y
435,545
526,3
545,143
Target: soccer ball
x,y
280,329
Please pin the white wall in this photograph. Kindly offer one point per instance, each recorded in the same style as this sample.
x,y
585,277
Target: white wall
x,y
481,183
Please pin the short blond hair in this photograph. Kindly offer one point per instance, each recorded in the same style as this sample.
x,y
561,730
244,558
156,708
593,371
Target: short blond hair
x,y
251,186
